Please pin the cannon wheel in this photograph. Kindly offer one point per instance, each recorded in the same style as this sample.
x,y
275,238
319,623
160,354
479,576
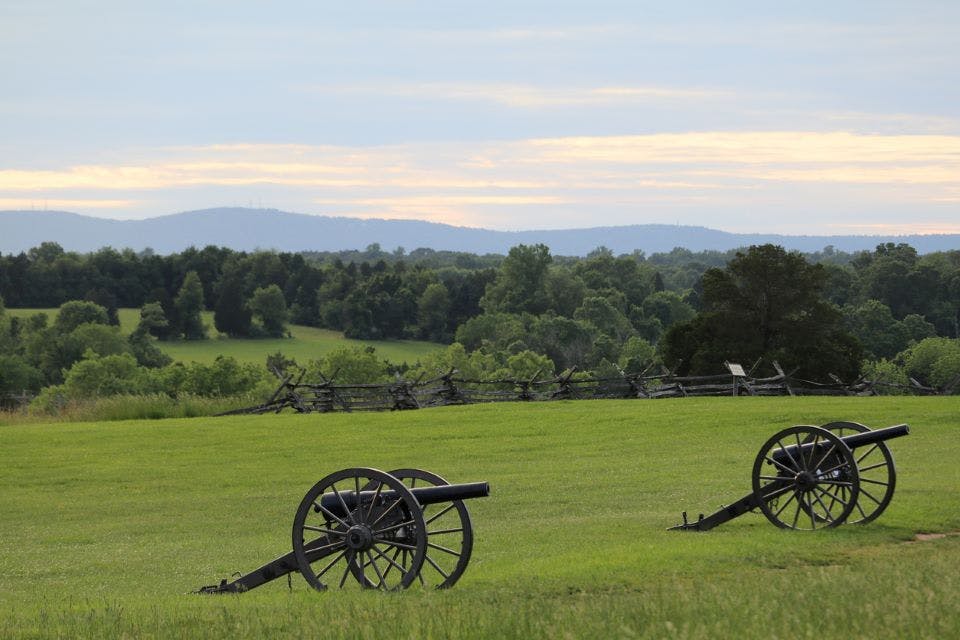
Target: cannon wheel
x,y
361,538
449,533
796,489
878,474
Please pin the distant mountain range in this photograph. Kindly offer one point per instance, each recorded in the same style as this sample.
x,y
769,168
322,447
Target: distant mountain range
x,y
250,229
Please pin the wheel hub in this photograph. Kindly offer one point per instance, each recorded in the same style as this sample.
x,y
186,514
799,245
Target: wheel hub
x,y
359,537
805,481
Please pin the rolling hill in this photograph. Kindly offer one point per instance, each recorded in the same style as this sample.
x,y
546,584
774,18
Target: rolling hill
x,y
250,229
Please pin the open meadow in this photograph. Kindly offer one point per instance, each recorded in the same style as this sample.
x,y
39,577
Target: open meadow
x,y
105,528
303,345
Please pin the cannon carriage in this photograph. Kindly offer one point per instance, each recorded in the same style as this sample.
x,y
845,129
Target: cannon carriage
x,y
376,530
807,477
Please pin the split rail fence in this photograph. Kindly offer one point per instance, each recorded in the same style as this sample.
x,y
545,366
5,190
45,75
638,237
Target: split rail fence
x,y
448,389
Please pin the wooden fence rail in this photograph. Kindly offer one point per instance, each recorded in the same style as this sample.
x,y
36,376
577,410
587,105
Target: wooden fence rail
x,y
447,389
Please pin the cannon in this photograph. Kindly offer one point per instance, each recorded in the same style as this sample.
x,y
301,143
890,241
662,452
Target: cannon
x,y
808,477
385,530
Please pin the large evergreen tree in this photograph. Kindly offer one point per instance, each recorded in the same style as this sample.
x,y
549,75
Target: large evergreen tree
x,y
767,303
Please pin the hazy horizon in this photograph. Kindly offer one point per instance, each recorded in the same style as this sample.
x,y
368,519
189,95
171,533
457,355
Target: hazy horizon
x,y
840,119
586,226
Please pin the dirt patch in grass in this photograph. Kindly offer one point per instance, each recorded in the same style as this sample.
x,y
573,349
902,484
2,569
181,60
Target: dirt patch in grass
x,y
925,537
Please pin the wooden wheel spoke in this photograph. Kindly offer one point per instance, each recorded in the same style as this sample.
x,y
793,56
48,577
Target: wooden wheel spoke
x,y
776,462
826,511
393,527
344,504
388,510
440,513
444,549
382,583
869,451
440,532
330,564
869,495
437,567
329,532
874,466
331,514
786,502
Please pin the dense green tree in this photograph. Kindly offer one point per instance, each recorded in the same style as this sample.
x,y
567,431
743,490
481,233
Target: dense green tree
x,y
567,342
918,328
104,376
493,331
301,291
77,312
141,341
565,291
17,375
232,315
355,365
152,319
170,313
108,301
475,365
53,352
602,272
269,307
521,282
881,335
607,318
189,304
526,365
767,304
148,354
466,288
667,307
933,361
433,311
637,354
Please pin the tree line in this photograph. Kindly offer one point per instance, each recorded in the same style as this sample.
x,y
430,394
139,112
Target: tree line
x,y
823,313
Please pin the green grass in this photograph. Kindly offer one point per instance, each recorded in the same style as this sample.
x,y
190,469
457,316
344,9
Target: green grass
x,y
305,343
106,527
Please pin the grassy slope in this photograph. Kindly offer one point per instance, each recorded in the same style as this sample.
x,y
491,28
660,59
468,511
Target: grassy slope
x,y
307,343
106,526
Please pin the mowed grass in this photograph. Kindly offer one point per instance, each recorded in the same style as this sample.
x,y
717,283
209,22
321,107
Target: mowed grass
x,y
106,527
303,345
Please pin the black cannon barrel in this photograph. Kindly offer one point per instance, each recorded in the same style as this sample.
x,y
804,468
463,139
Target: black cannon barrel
x,y
852,441
424,495
448,492
875,436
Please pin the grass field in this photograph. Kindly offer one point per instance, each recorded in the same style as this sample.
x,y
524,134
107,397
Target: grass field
x,y
305,343
106,527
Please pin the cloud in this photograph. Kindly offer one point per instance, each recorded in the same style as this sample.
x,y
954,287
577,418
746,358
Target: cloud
x,y
530,182
529,96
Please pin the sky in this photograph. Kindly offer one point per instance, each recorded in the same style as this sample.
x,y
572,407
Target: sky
x,y
797,118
